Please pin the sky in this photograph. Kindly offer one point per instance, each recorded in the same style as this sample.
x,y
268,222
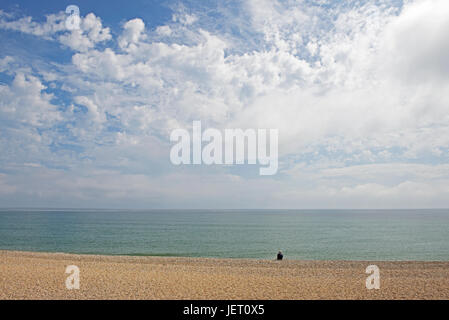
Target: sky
x,y
357,89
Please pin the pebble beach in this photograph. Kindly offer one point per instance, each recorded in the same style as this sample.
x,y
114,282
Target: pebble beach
x,y
33,275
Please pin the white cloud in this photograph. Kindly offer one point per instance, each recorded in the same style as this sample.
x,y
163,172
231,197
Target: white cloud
x,y
133,31
94,114
358,93
417,42
184,18
54,23
164,30
24,102
5,62
91,32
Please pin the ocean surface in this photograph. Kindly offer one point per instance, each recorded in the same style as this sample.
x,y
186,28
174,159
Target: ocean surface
x,y
300,234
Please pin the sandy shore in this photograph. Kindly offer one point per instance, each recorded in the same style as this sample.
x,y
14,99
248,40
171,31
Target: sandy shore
x,y
30,275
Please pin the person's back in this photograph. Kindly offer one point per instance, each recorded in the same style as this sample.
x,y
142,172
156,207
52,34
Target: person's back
x,y
280,255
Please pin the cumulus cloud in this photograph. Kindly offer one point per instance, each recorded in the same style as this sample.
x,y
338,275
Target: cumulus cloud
x,y
357,92
24,102
133,31
164,30
94,114
91,32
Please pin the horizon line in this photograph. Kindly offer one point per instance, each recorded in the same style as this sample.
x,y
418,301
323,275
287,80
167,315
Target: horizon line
x,y
225,209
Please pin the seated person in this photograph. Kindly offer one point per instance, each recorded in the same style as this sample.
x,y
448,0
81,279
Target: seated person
x,y
280,255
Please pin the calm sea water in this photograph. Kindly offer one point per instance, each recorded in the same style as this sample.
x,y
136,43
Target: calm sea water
x,y
300,234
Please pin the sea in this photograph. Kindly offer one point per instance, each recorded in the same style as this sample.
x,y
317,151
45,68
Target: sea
x,y
394,235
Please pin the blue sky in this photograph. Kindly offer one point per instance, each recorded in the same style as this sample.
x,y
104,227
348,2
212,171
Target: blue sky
x,y
357,90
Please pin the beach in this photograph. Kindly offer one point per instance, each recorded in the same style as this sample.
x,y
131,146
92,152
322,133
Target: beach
x,y
35,275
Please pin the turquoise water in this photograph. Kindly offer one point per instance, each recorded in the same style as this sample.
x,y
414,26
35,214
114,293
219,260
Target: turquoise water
x,y
300,234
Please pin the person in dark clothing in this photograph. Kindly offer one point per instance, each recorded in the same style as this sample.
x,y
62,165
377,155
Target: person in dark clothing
x,y
280,255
